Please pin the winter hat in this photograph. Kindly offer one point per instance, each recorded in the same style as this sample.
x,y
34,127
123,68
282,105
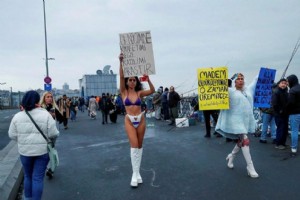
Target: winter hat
x,y
282,79
30,99
293,80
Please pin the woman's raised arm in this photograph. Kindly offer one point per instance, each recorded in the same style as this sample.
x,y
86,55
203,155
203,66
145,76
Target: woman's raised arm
x,y
122,79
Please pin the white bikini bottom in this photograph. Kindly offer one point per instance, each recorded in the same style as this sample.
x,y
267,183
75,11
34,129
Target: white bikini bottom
x,y
135,120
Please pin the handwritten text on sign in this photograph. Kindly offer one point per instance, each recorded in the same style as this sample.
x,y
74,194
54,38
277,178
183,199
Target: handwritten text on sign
x,y
213,88
263,90
138,53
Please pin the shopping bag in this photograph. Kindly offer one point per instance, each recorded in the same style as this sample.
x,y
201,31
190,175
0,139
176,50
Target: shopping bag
x,y
53,155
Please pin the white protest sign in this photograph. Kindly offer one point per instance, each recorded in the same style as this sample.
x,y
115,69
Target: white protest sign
x,y
138,53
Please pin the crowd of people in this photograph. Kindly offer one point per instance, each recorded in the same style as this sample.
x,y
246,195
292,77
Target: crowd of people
x,y
283,113
133,102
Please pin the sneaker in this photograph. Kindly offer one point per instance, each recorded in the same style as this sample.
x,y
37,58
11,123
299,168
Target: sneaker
x,y
294,150
49,173
281,147
263,141
172,123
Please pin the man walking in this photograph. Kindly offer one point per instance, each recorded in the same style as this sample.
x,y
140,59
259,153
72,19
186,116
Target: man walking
x,y
64,107
173,99
293,108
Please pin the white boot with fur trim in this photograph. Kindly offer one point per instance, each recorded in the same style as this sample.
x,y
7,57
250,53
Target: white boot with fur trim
x,y
250,167
232,155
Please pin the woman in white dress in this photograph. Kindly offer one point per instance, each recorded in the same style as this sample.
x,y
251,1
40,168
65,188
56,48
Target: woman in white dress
x,y
238,121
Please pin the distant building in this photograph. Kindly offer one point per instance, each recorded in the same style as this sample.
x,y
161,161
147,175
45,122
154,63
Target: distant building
x,y
104,81
65,90
10,99
60,92
70,93
66,86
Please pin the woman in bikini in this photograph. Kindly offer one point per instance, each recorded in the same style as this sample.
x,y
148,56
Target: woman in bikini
x,y
135,124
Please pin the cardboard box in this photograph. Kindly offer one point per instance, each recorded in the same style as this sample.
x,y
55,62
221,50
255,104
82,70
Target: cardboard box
x,y
182,122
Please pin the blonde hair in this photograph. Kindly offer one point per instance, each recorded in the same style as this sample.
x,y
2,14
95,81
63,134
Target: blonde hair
x,y
43,103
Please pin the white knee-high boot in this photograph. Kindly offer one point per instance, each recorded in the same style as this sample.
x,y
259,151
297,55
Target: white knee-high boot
x,y
232,155
140,155
250,168
134,155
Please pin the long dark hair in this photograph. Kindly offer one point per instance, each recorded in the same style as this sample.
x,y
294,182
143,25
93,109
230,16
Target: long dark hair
x,y
138,85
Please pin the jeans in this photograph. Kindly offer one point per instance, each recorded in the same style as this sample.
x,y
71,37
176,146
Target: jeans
x,y
268,119
294,123
34,172
200,116
73,115
282,123
165,109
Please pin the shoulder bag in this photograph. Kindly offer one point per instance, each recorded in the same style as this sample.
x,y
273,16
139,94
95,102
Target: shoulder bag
x,y
53,155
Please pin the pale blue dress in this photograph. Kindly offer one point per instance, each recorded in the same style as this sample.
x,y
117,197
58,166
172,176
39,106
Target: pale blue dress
x,y
239,118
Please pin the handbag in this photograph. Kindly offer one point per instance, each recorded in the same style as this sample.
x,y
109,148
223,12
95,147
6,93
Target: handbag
x,y
53,154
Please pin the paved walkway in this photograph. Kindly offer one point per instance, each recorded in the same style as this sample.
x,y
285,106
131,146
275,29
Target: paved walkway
x,y
178,164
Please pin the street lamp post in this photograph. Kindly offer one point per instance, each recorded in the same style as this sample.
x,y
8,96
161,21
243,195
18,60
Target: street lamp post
x,y
1,95
11,98
47,72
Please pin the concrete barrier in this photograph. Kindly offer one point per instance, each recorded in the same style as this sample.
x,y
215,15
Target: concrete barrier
x,y
11,173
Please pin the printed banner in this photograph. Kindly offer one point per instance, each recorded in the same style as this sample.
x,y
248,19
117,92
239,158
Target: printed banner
x,y
263,90
138,53
213,88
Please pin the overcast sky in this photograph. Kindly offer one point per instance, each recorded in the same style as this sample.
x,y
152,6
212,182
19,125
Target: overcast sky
x,y
83,36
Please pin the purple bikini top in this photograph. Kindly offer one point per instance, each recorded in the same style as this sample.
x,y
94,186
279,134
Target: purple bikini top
x,y
127,102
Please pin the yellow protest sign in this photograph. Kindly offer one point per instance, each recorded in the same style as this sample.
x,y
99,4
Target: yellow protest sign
x,y
213,88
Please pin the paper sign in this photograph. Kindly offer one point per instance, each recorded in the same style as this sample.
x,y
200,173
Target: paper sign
x,y
138,53
263,89
213,88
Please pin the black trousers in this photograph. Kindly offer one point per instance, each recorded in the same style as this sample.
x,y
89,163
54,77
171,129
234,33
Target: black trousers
x,y
104,116
65,122
207,114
